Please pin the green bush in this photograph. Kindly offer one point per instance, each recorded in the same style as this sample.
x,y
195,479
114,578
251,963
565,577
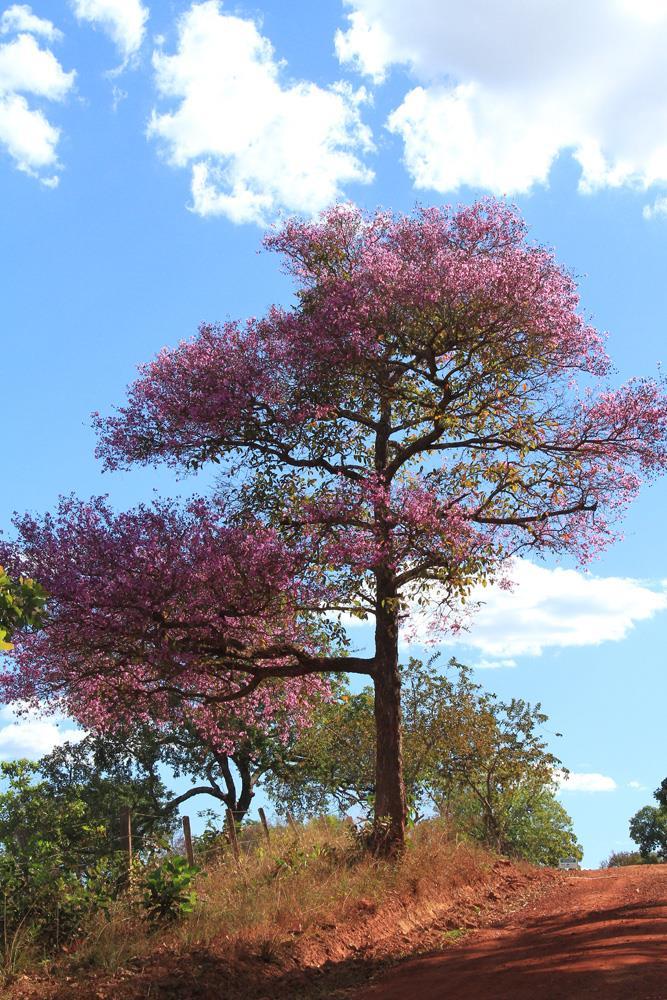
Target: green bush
x,y
620,859
167,892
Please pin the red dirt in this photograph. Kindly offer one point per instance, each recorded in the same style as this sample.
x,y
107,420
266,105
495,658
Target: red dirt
x,y
594,934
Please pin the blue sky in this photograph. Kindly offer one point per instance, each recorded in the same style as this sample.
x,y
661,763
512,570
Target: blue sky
x,y
142,153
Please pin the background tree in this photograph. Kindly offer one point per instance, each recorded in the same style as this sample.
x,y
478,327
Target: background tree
x,y
532,823
497,753
401,431
106,774
484,764
648,827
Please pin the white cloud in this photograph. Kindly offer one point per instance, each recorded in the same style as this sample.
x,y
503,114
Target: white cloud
x,y
32,735
549,609
255,143
19,17
26,68
124,21
486,664
657,210
366,46
505,88
585,782
637,785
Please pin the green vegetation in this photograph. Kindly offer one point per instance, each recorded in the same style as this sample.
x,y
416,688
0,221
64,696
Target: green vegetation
x,y
21,605
481,763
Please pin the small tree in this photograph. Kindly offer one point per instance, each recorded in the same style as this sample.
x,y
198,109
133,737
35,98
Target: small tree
x,y
395,437
537,827
648,827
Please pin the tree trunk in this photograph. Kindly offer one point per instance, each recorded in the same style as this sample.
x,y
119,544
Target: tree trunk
x,y
390,808
247,791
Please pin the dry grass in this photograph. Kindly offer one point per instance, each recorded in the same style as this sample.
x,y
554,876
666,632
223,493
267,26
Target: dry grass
x,y
290,890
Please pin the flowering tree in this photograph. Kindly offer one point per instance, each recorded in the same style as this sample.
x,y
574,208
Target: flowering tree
x,y
393,438
165,614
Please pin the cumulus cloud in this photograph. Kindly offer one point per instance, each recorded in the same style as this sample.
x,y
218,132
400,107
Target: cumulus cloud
x,y
550,609
124,21
504,89
254,141
19,17
585,782
637,786
28,69
31,735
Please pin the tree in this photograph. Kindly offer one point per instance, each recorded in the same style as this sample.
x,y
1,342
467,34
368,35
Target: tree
x,y
106,774
648,827
137,757
230,778
498,755
537,827
391,440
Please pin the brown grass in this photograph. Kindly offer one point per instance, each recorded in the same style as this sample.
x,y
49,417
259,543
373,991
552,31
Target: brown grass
x,y
289,909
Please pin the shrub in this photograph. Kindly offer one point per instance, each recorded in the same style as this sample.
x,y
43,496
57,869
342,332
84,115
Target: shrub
x,y
619,859
167,892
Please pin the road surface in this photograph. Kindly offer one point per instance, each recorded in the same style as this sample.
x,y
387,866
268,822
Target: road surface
x,y
596,934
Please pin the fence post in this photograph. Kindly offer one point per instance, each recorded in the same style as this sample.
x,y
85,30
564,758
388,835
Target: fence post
x,y
231,830
293,827
126,838
187,837
262,816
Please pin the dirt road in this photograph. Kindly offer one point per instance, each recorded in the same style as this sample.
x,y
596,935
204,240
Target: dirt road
x,y
596,934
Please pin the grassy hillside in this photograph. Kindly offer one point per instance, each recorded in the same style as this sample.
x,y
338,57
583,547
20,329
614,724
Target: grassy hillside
x,y
303,916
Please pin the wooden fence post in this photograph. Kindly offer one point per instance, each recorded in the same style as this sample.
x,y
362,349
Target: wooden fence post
x,y
231,830
265,825
126,837
292,822
187,837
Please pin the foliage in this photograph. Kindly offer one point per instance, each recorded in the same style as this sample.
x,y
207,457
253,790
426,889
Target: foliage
x,y
167,892
620,859
482,762
394,439
21,605
55,862
112,771
648,829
